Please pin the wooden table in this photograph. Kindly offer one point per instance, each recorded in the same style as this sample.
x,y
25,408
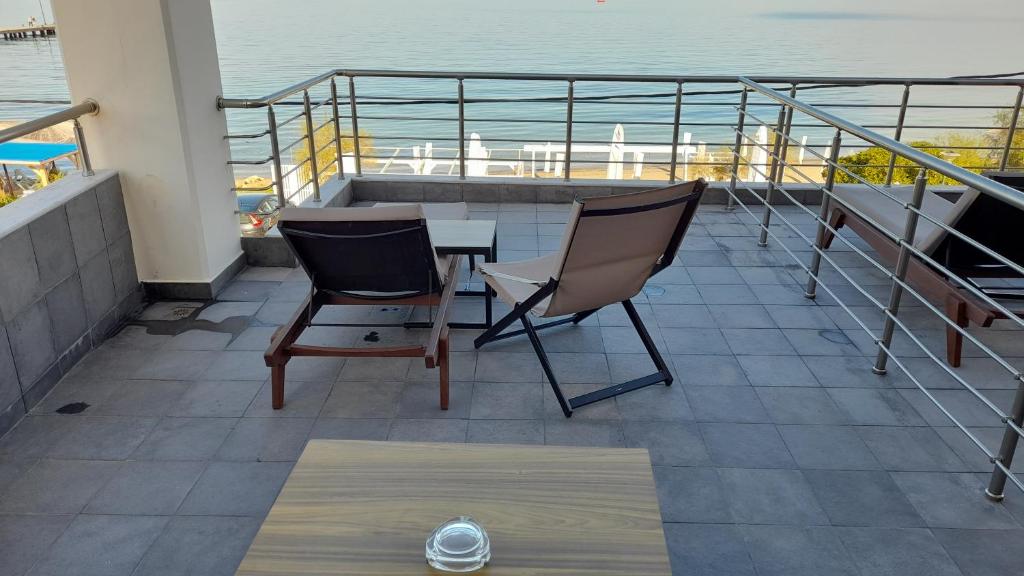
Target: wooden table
x,y
366,508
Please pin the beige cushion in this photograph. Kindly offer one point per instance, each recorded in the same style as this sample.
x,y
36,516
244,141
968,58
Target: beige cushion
x,y
437,210
516,281
892,215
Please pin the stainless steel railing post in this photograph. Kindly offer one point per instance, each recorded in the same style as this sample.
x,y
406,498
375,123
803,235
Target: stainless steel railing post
x,y
337,130
900,274
819,238
83,149
275,155
1008,447
462,132
899,133
675,131
568,132
778,158
314,172
355,124
737,151
1011,130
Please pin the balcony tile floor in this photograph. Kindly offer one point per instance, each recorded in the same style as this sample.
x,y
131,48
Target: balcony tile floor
x,y
777,451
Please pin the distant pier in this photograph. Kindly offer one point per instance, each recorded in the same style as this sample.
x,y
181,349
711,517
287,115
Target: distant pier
x,y
28,32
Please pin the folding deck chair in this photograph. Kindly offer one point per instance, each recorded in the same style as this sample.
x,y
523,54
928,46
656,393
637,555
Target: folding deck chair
x,y
371,257
609,249
975,215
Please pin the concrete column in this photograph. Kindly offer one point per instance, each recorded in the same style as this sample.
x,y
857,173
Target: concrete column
x,y
152,67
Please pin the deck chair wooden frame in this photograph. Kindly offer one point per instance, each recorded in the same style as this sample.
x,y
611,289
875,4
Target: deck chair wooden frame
x,y
970,215
622,275
346,276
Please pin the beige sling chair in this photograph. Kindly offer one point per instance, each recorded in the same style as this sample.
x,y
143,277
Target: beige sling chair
x,y
365,256
610,247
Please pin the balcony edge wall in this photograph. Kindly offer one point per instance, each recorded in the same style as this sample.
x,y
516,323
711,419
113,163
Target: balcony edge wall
x,y
68,282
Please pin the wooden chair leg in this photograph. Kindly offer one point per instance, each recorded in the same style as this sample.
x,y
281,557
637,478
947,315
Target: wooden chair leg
x,y
442,353
277,386
835,222
956,310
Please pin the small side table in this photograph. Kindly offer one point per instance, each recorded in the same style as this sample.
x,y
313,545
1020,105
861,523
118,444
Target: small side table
x,y
469,238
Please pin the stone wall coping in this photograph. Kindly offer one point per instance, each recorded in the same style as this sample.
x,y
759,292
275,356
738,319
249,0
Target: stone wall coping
x,y
28,208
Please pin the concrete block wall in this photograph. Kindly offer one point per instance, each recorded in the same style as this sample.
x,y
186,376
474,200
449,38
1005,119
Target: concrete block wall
x,y
67,278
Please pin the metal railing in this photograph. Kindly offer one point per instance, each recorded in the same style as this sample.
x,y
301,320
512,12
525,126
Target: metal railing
x,y
72,113
763,212
688,102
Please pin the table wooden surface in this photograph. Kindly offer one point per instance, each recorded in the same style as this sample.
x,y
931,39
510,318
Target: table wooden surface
x,y
456,235
366,508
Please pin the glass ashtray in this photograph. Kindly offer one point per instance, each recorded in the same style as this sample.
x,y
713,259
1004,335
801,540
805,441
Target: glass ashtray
x,y
458,545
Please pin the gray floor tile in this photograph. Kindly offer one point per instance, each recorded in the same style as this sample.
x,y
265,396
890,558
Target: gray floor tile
x,y
173,364
508,400
228,398
428,430
57,487
11,470
236,489
983,552
34,436
690,495
793,551
777,371
821,342
897,552
71,390
423,400
255,338
746,446
708,371
185,439
266,440
146,488
800,406
350,429
862,498
812,317
952,501
726,294
103,438
461,368
726,404
101,546
506,432
740,316
875,407
238,365
626,367
910,449
302,399
828,448
669,443
25,539
141,398
362,400
507,367
851,372
757,342
580,367
573,432
208,545
364,369
683,316
966,407
708,549
771,497
655,402
198,340
694,341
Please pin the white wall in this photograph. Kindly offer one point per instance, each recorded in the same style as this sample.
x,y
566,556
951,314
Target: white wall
x,y
152,66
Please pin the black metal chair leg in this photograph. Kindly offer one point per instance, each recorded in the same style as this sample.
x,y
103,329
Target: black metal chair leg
x,y
546,364
649,344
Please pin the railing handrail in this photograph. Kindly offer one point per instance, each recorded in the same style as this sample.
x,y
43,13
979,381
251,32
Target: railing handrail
x,y
1009,195
72,113
43,122
839,81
